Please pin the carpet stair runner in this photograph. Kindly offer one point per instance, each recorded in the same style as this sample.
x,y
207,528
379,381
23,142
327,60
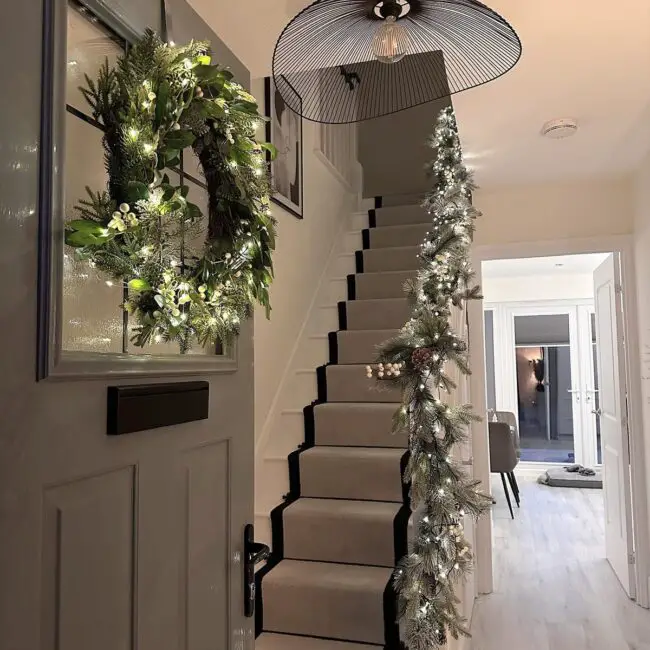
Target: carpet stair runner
x,y
344,523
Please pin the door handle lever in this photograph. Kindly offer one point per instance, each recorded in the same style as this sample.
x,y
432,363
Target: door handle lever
x,y
597,412
254,553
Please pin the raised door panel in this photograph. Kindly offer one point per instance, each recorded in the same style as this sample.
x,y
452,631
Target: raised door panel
x,y
205,556
88,563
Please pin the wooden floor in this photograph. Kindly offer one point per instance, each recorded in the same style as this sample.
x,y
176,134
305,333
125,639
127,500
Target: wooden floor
x,y
554,590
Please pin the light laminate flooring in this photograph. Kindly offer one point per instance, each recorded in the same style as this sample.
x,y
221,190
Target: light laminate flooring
x,y
554,590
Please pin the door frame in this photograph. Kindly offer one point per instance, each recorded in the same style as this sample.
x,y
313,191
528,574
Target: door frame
x,y
505,373
623,244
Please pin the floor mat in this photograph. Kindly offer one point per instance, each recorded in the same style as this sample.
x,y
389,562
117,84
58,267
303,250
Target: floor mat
x,y
559,477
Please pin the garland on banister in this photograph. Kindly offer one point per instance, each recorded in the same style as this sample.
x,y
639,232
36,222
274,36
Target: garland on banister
x,y
417,359
191,277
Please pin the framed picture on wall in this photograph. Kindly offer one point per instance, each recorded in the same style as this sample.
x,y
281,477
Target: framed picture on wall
x,y
284,130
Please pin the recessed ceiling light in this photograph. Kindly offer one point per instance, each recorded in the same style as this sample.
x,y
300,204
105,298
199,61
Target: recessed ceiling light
x,y
558,129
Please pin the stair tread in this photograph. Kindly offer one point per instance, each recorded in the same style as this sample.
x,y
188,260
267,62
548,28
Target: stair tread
x,y
344,508
407,274
269,641
413,226
359,406
329,576
392,249
325,451
361,301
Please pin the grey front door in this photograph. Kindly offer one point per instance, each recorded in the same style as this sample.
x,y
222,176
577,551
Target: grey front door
x,y
106,542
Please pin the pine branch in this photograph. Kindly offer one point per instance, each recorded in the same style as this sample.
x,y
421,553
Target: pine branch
x,y
418,359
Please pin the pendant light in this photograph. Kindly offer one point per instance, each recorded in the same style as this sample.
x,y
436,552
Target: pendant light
x,y
341,61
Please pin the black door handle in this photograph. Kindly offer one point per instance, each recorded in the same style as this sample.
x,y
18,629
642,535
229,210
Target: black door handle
x,y
254,553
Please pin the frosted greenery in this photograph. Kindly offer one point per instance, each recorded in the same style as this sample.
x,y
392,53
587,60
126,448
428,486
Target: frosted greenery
x,y
418,359
190,276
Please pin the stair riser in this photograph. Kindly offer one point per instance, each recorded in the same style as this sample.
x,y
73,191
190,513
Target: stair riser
x,y
379,286
330,538
357,427
412,235
346,615
377,314
391,259
361,346
398,216
350,384
371,479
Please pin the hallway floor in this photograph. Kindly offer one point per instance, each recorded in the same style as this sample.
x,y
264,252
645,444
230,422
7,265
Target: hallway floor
x,y
554,590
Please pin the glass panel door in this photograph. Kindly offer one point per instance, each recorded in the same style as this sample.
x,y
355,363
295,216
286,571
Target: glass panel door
x,y
545,392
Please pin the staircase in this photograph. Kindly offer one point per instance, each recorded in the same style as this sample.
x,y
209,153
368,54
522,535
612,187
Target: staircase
x,y
344,522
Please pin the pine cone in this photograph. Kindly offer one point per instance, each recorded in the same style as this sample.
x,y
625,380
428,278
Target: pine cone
x,y
421,357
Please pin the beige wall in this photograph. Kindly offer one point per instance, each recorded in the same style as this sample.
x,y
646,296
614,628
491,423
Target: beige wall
x,y
577,209
303,246
393,151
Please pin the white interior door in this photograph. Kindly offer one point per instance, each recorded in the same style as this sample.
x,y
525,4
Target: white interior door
x,y
613,420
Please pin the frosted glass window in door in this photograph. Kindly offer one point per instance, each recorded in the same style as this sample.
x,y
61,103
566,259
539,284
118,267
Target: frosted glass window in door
x,y
92,316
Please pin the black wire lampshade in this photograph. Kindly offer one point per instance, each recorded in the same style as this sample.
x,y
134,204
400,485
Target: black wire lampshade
x,y
341,61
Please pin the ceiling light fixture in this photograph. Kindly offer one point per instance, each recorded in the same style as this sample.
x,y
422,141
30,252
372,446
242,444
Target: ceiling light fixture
x,y
391,42
330,61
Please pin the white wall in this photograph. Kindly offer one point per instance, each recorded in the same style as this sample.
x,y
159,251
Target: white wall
x,y
556,286
577,209
303,247
642,262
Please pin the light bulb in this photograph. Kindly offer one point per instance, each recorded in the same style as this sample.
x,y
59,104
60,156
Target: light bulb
x,y
390,42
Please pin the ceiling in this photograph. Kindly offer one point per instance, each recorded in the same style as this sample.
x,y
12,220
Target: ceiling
x,y
547,266
584,59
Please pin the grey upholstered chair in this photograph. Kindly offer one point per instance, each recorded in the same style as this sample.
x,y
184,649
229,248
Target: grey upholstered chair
x,y
511,420
503,458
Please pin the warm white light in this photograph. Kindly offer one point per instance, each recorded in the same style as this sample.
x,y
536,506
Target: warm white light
x,y
390,41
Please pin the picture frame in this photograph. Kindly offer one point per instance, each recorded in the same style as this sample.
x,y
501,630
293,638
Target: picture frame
x,y
284,131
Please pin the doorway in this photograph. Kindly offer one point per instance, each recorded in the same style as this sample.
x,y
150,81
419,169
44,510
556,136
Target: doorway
x,y
544,327
546,374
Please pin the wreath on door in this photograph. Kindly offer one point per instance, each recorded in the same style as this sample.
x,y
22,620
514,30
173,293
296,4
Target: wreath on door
x,y
190,276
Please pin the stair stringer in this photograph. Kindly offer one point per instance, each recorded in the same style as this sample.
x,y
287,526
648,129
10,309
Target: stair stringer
x,y
283,430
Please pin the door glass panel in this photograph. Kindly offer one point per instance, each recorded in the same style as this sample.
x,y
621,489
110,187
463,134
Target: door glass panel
x,y
593,394
93,319
90,45
545,400
92,316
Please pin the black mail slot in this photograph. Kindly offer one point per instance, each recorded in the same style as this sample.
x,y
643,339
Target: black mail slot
x,y
148,406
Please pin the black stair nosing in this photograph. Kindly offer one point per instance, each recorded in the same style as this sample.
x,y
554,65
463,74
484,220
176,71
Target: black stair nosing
x,y
333,343
365,238
391,623
358,260
352,286
379,201
343,314
372,218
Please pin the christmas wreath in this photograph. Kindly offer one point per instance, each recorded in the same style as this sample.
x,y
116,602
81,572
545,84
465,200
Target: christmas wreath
x,y
189,278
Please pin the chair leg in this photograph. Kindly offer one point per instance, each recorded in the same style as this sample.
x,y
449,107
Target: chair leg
x,y
505,489
515,488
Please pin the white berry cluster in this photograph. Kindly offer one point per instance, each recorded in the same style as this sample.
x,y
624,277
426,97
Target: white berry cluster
x,y
386,370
